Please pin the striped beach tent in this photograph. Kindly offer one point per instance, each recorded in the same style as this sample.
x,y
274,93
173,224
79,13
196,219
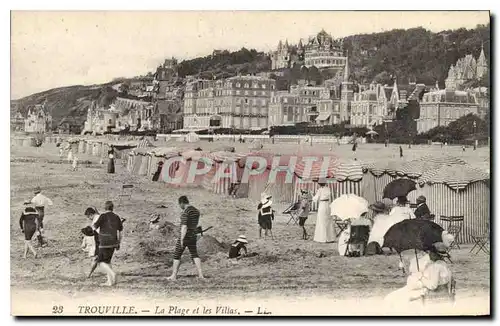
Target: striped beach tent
x,y
415,168
308,174
192,162
377,175
457,189
223,172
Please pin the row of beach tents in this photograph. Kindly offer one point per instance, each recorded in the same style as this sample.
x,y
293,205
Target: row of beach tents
x,y
452,187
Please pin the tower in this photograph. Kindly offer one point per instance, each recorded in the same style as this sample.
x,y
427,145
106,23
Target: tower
x,y
482,64
346,93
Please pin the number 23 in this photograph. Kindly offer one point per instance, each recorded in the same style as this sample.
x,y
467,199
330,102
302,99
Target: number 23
x,y
57,309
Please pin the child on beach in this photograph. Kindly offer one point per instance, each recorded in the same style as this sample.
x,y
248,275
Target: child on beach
x,y
237,247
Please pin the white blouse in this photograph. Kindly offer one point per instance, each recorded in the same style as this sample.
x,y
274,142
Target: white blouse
x,y
322,194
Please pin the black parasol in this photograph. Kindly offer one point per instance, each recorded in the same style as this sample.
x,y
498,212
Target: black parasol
x,y
413,234
399,188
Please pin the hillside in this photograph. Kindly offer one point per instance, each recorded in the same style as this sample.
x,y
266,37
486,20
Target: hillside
x,y
415,54
68,103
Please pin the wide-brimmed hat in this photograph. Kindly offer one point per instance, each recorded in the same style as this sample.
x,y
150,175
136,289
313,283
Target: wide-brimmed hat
x,y
37,190
155,218
378,207
265,196
440,248
242,239
421,199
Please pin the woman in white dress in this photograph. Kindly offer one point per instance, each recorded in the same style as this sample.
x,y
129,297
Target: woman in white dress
x,y
325,231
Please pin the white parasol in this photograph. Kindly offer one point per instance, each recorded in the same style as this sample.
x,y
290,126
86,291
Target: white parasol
x,y
348,206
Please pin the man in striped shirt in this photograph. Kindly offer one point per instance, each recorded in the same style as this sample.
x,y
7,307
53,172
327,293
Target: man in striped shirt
x,y
189,221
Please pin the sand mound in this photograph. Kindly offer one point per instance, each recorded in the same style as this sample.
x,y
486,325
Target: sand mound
x,y
160,242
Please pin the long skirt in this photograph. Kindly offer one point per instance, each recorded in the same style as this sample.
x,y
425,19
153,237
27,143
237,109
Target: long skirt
x,y
111,165
325,231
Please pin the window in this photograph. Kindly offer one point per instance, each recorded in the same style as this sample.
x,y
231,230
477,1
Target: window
x,y
285,100
263,86
246,85
238,92
254,92
246,101
110,121
246,92
263,93
238,85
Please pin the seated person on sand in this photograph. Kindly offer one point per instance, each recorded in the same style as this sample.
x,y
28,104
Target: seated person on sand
x,y
434,276
237,246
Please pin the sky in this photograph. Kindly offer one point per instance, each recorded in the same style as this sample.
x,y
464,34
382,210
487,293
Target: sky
x,y
53,49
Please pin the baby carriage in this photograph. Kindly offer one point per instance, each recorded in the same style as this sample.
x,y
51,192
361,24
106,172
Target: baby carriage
x,y
354,239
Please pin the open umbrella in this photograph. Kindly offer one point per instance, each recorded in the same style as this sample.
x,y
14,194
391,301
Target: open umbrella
x,y
399,188
413,234
348,206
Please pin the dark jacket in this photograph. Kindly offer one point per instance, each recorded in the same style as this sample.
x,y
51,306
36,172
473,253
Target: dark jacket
x,y
422,212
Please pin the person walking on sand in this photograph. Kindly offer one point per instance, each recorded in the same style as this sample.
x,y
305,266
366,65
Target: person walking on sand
x,y
110,227
400,151
190,218
75,163
324,231
29,224
111,161
40,202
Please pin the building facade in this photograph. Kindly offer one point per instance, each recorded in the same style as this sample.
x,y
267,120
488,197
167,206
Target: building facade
x,y
369,107
38,119
466,69
168,97
440,107
321,51
240,102
133,114
286,56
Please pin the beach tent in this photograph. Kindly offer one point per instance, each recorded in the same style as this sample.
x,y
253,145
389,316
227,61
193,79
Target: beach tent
x,y
274,177
224,171
191,162
170,167
192,137
456,190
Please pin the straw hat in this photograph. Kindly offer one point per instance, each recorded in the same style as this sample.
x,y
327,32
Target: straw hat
x,y
242,239
440,248
265,196
421,199
378,207
37,190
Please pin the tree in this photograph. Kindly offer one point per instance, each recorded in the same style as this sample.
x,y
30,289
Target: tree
x,y
314,75
383,78
124,87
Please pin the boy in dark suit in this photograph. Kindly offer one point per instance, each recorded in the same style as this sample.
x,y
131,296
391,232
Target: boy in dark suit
x,y
422,211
